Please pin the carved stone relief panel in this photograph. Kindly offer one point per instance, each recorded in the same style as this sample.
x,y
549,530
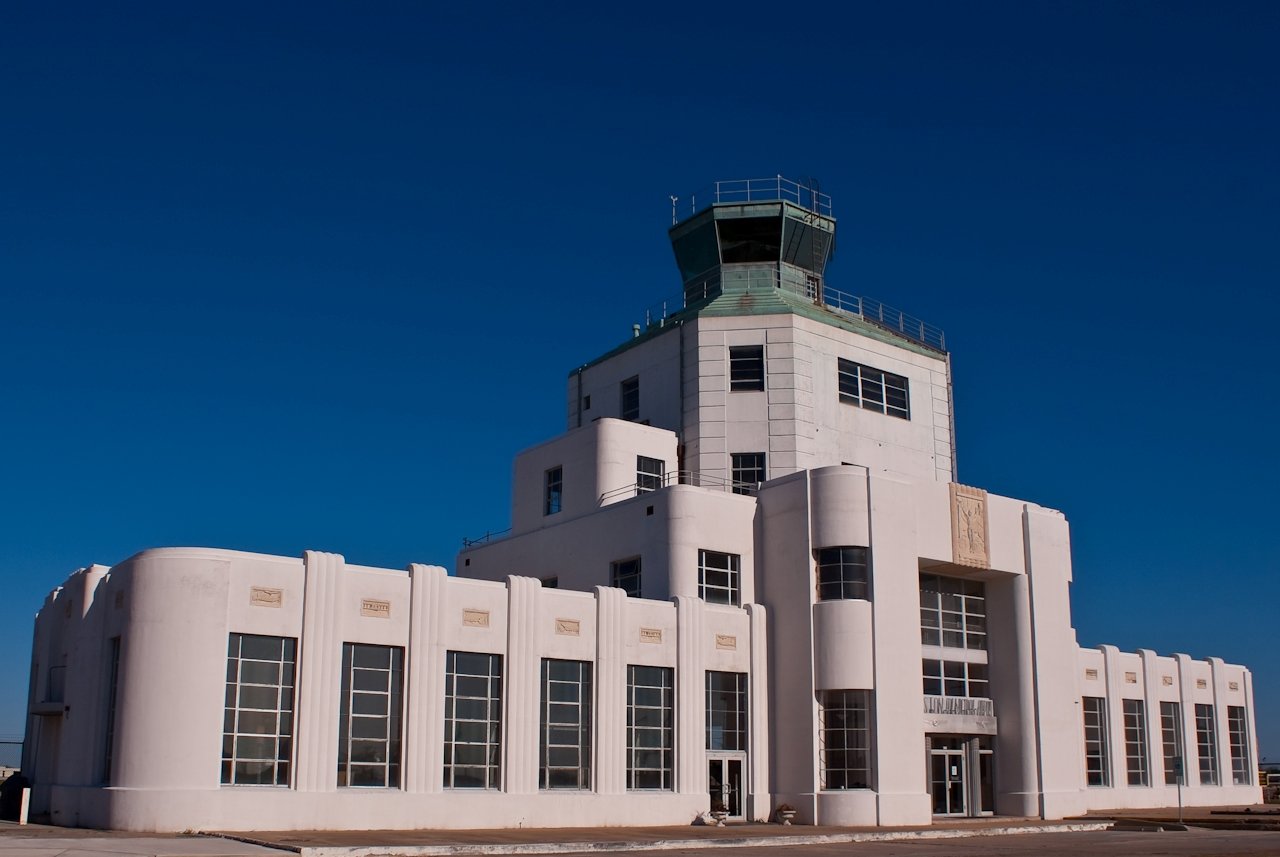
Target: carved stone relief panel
x,y
969,544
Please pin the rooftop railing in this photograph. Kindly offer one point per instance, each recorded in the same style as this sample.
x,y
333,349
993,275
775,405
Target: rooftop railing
x,y
680,477
751,190
810,286
487,537
885,316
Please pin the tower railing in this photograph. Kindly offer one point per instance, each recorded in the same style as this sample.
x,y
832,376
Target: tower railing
x,y
751,190
761,278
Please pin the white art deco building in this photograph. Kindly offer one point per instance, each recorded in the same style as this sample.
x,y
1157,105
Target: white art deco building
x,y
744,576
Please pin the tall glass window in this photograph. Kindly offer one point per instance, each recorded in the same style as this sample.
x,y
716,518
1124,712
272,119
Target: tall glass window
x,y
650,731
842,573
1135,742
553,495
369,722
726,711
953,612
1097,763
1207,744
845,748
1238,732
1171,741
113,690
473,721
566,725
718,577
630,393
257,726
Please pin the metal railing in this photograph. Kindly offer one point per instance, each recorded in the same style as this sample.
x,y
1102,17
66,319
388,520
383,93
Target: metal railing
x,y
804,284
963,705
683,477
885,316
487,537
751,190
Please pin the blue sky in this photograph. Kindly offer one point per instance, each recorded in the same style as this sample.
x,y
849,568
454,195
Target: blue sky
x,y
277,277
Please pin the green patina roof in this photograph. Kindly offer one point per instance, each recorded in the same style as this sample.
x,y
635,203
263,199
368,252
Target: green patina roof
x,y
737,300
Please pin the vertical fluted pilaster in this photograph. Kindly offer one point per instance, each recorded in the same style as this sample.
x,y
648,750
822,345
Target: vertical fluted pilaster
x,y
424,723
691,702
521,674
610,749
319,674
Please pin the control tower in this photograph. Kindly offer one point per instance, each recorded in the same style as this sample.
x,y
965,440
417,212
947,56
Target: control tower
x,y
762,368
753,232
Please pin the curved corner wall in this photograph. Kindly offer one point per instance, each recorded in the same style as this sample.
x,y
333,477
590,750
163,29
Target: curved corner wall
x,y
841,511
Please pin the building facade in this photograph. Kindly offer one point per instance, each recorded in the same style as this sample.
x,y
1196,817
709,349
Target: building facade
x,y
745,576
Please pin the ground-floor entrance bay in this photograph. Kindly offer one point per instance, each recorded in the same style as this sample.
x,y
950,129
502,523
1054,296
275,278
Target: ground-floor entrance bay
x,y
961,774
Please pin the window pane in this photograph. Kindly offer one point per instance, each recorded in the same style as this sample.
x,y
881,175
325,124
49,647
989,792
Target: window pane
x,y
369,718
649,717
256,726
845,739
472,746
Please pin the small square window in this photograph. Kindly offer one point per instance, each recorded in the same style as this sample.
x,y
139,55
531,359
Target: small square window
x,y
746,368
649,473
625,575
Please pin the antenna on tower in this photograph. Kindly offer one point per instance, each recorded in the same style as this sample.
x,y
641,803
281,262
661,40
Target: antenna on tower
x,y
674,200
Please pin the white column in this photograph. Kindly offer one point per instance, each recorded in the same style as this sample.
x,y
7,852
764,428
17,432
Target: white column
x,y
424,722
1218,684
1187,707
1020,796
610,717
691,697
1151,684
759,802
902,792
1048,557
522,672
319,674
1114,682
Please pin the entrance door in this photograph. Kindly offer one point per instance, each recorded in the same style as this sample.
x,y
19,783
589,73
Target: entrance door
x,y
724,781
947,777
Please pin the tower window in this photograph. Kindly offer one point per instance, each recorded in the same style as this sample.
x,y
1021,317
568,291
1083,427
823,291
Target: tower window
x,y
649,473
631,399
874,389
748,471
746,368
554,493
625,574
842,573
718,577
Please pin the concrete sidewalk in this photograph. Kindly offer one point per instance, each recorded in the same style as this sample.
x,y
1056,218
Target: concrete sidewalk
x,y
45,841
433,843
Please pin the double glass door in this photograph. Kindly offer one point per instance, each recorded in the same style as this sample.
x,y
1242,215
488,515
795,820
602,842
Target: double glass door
x,y
947,779
961,775
724,781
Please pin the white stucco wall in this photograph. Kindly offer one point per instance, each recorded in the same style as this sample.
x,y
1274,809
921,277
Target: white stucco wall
x,y
174,608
